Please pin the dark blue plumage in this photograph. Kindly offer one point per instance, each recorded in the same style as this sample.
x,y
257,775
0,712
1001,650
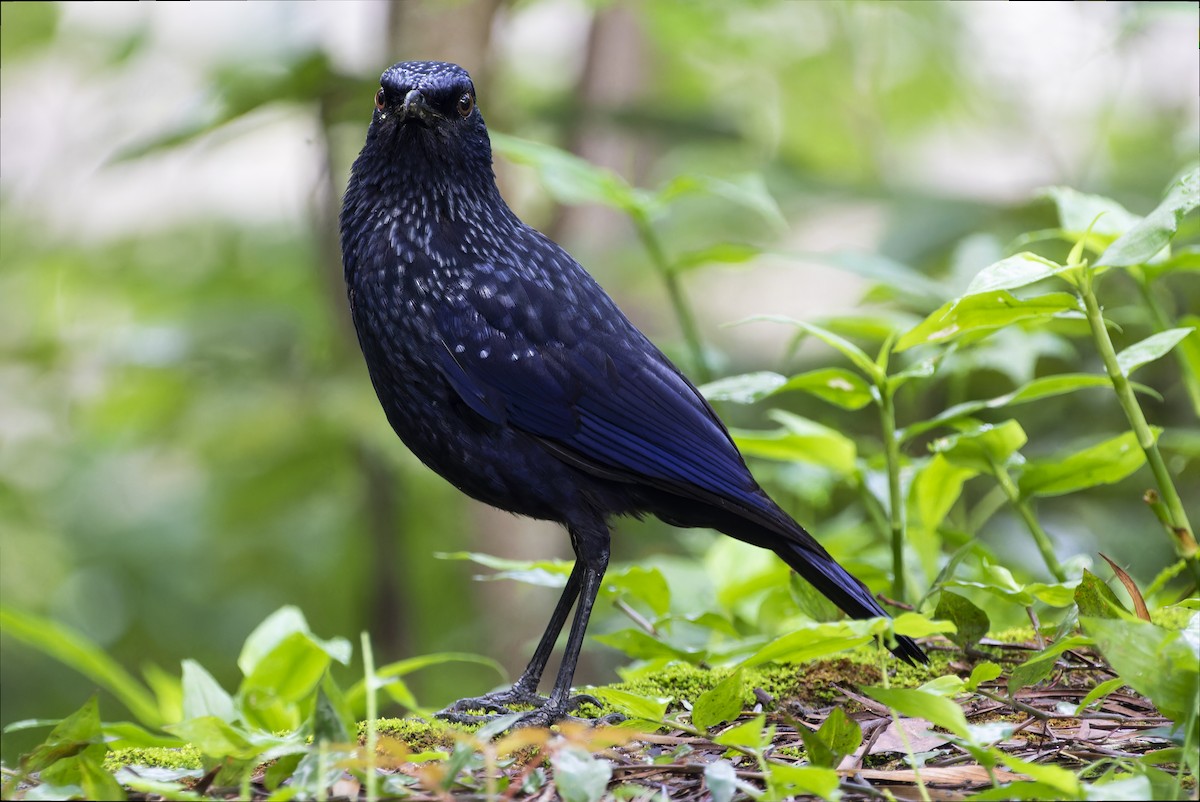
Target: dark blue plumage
x,y
505,367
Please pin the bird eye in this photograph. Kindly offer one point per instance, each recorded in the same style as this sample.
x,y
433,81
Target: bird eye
x,y
380,97
466,104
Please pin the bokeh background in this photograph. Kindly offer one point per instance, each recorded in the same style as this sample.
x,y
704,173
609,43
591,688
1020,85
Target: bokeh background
x,y
188,438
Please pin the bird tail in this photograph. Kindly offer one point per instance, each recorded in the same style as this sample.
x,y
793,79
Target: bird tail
x,y
842,589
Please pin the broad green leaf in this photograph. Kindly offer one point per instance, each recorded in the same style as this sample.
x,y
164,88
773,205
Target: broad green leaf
x,y
568,178
751,734
1045,387
920,704
838,386
543,573
637,644
281,679
1148,237
984,448
277,627
915,625
999,581
972,623
203,695
331,719
748,190
931,495
984,672
1161,664
1064,782
1009,274
646,708
811,641
69,737
788,781
216,738
988,310
722,252
579,776
1095,598
647,585
720,703
1103,463
1099,692
126,734
799,440
76,651
744,389
1038,667
1153,347
837,737
1078,212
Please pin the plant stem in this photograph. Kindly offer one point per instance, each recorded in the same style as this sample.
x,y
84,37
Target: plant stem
x,y
891,445
683,312
1044,544
372,719
1180,530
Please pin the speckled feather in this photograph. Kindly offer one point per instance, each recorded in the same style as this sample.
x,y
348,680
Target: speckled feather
x,y
507,369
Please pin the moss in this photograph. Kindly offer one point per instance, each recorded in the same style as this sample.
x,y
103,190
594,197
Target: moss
x,y
417,734
185,757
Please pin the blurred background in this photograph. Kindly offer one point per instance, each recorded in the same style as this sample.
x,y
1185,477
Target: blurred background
x,y
188,437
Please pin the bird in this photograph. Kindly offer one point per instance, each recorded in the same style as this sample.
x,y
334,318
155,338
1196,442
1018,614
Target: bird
x,y
506,368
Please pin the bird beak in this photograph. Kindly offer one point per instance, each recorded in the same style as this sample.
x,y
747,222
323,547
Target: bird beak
x,y
415,109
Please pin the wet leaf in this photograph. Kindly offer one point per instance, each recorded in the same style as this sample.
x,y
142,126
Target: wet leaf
x,y
721,703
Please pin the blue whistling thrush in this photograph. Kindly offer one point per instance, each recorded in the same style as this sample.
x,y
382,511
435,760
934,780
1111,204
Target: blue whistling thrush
x,y
507,369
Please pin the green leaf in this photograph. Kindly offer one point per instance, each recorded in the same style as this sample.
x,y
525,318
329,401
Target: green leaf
x,y
744,389
1064,782
722,252
216,738
1147,238
1153,347
1038,667
984,672
1009,274
1045,387
27,28
789,781
279,626
921,704
645,708
1095,598
720,703
811,641
984,448
647,585
98,784
750,734
999,581
203,695
1099,692
748,190
76,651
1103,463
988,310
1078,212
331,718
578,776
543,573
800,440
1161,664
838,386
837,737
637,644
972,623
915,625
70,737
931,495
570,179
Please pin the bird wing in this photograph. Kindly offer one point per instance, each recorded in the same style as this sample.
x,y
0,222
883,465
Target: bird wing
x,y
567,367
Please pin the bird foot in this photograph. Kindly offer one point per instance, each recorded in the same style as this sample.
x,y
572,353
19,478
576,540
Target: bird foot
x,y
491,706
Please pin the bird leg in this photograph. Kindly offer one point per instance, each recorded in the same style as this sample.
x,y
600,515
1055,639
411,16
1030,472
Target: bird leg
x,y
584,585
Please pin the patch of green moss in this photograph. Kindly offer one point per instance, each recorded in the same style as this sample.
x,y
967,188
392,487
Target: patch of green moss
x,y
185,757
418,735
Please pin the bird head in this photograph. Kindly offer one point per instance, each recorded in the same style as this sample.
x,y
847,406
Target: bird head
x,y
426,120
